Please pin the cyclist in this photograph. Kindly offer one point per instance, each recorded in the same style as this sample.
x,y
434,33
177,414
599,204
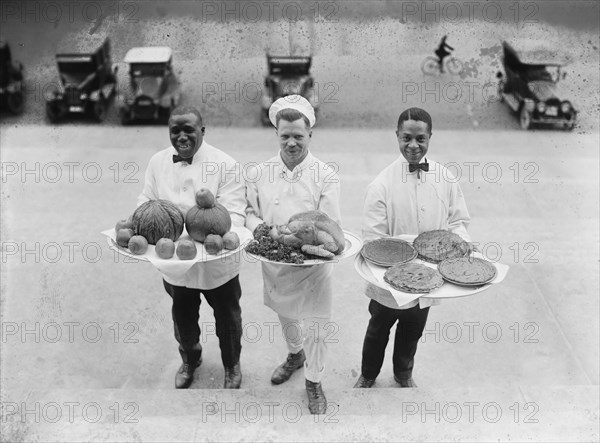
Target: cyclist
x,y
442,52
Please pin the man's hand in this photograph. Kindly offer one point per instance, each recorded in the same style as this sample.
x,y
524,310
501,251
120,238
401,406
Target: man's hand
x,y
472,248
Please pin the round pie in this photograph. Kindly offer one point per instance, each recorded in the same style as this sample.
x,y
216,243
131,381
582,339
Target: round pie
x,y
388,252
436,246
413,277
469,271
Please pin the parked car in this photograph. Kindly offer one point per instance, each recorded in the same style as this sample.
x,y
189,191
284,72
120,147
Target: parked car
x,y
11,80
287,75
530,85
154,90
88,82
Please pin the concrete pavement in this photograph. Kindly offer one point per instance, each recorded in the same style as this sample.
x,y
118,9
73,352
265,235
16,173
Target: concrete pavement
x,y
80,325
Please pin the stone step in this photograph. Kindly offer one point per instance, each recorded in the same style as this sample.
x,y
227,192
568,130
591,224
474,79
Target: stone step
x,y
536,413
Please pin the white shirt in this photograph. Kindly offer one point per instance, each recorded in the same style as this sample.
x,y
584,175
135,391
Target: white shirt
x,y
400,202
274,194
179,182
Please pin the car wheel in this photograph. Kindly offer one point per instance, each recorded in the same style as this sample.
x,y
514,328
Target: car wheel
x,y
54,112
15,102
124,116
264,118
525,118
100,110
500,91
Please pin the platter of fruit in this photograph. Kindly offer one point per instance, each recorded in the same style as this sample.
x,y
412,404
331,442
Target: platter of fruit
x,y
160,233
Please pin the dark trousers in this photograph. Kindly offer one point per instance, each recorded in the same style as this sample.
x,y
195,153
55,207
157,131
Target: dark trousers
x,y
411,323
225,301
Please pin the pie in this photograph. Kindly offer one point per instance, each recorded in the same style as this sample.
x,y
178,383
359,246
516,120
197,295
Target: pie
x,y
470,271
388,252
436,246
413,277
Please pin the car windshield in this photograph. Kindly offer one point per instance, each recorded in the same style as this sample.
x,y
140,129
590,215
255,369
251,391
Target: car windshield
x,y
542,73
75,73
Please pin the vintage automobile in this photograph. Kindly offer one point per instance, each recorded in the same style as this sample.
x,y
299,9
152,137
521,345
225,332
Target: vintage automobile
x,y
530,85
88,82
11,80
154,90
288,75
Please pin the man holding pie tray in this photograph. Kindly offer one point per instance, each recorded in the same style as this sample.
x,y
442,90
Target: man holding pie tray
x,y
411,196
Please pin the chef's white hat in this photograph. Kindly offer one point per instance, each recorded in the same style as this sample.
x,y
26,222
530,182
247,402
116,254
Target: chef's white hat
x,y
296,102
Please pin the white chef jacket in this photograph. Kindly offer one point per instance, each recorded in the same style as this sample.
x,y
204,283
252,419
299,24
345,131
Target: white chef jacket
x,y
274,194
400,202
179,182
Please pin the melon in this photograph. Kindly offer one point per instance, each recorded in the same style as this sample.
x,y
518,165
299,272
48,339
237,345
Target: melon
x,y
200,222
158,219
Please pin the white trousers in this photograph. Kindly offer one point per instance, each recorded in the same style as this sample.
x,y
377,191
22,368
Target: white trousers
x,y
309,334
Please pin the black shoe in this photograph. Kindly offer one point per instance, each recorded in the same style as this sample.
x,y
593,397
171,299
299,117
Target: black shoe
x,y
233,377
317,403
406,382
185,374
363,382
284,371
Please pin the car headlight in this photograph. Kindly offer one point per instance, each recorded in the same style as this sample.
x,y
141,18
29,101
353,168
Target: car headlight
x,y
83,96
565,107
541,107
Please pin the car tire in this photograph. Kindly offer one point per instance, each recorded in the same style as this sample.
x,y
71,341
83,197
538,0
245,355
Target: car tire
x,y
15,102
54,112
524,118
124,117
264,118
500,91
99,110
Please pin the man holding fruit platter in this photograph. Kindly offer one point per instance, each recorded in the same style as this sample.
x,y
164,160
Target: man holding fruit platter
x,y
177,174
294,182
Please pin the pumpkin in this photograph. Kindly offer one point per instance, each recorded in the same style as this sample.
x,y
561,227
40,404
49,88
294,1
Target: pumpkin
x,y
200,222
158,219
205,198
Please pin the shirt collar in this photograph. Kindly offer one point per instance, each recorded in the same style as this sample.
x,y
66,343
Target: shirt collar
x,y
308,160
197,158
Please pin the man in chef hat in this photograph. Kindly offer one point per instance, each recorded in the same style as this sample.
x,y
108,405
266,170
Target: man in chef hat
x,y
296,181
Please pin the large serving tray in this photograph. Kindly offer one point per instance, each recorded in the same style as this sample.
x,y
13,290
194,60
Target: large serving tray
x,y
174,265
374,275
353,246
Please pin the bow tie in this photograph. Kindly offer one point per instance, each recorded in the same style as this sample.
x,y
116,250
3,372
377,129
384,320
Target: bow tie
x,y
413,167
177,159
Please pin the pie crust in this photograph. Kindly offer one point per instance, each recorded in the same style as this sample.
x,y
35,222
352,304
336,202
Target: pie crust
x,y
413,277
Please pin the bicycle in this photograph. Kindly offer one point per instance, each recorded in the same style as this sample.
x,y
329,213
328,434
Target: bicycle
x,y
431,65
